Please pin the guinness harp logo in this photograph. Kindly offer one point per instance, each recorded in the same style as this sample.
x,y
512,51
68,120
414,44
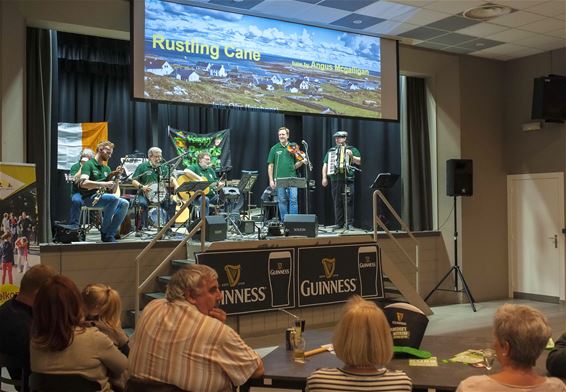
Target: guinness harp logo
x,y
329,266
399,316
233,274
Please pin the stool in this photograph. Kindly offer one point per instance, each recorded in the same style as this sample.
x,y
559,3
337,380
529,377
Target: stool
x,y
84,218
268,207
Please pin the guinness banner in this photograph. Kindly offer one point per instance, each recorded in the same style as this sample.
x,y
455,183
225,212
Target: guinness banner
x,y
254,280
262,280
331,274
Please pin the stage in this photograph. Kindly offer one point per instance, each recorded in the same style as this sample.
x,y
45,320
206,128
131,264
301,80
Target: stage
x,y
115,264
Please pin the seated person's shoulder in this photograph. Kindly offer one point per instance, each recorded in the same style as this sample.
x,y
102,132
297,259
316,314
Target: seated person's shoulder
x,y
553,384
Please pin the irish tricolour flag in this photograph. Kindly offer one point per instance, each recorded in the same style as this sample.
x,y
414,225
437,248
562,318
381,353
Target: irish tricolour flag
x,y
73,137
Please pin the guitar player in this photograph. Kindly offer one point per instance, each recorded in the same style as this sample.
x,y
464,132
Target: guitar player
x,y
95,176
202,171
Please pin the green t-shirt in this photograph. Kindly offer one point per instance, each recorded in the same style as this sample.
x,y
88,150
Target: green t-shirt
x,y
150,175
95,172
74,169
283,162
209,174
355,153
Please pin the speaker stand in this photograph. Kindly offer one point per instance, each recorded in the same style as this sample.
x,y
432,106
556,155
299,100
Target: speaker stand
x,y
455,269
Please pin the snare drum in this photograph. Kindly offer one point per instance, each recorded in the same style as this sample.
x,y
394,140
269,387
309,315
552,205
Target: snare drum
x,y
156,193
152,216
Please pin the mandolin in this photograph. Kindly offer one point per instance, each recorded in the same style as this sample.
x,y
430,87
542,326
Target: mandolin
x,y
115,188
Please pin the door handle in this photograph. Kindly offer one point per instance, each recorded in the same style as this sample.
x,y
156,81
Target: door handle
x,y
555,238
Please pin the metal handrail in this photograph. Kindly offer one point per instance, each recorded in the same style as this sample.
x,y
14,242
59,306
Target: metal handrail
x,y
377,221
201,225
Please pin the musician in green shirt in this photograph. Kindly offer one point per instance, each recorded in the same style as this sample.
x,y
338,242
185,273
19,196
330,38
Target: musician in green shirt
x,y
153,181
338,167
202,171
76,196
281,163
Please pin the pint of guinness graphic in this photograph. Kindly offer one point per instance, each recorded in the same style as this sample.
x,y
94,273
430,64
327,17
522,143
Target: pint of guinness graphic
x,y
367,270
279,272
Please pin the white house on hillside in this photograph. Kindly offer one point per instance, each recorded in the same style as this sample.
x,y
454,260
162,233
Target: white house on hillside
x,y
158,67
217,70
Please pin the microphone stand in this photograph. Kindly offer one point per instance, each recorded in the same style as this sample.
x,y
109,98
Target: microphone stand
x,y
309,164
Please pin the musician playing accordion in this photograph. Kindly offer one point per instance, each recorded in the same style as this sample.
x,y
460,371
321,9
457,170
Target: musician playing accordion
x,y
153,181
338,166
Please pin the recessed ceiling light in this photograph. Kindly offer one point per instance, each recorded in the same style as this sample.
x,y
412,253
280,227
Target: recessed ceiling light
x,y
487,12
357,21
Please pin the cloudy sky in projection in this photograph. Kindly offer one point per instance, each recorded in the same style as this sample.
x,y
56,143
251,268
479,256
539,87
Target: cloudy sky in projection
x,y
298,42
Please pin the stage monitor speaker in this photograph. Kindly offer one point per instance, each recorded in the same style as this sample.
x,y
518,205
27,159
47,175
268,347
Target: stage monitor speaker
x,y
301,225
246,226
216,228
459,177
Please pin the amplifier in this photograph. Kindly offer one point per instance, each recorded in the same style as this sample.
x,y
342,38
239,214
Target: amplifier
x,y
301,225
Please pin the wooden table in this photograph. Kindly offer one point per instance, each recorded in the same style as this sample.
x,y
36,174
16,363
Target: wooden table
x,y
282,372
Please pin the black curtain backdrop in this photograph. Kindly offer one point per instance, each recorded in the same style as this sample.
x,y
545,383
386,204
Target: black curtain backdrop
x,y
94,85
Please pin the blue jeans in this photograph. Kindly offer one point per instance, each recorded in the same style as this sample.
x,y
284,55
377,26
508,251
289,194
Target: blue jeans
x,y
114,210
167,204
214,200
287,202
76,205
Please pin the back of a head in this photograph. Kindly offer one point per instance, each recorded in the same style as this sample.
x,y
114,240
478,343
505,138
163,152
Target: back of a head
x,y
34,278
188,279
57,311
525,329
362,336
104,302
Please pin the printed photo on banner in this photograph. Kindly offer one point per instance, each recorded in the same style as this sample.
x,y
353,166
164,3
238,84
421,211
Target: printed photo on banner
x,y
190,144
18,240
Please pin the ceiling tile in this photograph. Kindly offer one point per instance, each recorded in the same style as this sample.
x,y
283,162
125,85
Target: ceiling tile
x,y
431,45
453,6
516,19
541,42
482,29
480,43
511,35
385,9
420,17
283,8
519,4
347,5
414,3
305,1
422,33
357,21
390,27
243,4
544,25
458,49
560,33
319,14
549,8
452,39
452,23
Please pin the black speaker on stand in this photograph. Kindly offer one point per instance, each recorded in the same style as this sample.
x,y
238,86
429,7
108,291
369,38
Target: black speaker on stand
x,y
459,182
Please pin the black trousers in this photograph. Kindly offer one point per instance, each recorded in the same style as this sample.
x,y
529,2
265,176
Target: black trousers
x,y
337,188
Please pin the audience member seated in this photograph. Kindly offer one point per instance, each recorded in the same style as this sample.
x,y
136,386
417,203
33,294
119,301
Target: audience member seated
x,y
365,353
16,316
556,361
62,342
103,310
521,334
182,340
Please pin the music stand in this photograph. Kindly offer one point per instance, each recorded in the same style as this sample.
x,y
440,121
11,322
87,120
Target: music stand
x,y
193,186
384,181
291,182
245,186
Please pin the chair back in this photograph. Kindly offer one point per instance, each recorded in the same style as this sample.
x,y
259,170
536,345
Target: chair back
x,y
139,385
12,365
42,382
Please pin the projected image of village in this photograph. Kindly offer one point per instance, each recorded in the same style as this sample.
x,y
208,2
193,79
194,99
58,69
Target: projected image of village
x,y
229,60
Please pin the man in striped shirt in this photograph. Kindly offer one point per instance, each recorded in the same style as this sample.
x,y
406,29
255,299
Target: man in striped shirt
x,y
182,339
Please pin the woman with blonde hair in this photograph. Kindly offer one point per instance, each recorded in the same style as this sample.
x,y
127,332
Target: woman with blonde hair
x,y
103,310
362,340
521,334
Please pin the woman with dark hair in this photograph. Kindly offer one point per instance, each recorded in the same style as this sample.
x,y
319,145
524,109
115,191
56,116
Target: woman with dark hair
x,y
63,343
